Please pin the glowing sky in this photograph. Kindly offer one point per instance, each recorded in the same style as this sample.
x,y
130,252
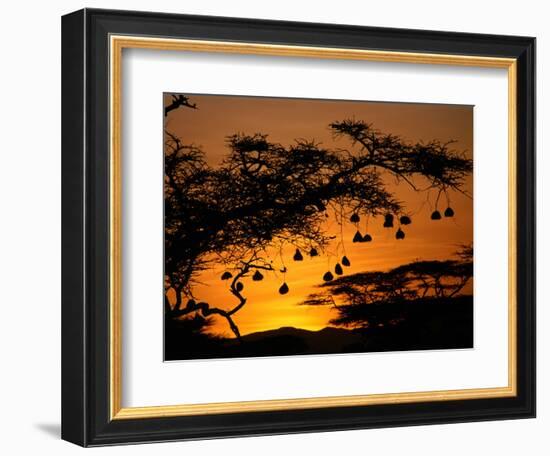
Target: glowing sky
x,y
286,119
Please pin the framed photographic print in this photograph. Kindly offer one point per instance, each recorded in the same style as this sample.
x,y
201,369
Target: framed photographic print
x,y
275,227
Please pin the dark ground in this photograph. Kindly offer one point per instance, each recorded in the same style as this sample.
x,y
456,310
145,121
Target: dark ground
x,y
427,325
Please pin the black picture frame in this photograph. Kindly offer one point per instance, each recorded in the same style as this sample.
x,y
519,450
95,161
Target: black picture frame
x,y
86,416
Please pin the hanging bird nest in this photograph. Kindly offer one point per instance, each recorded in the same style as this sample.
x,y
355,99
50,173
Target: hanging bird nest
x,y
313,252
357,237
366,238
239,286
435,215
388,221
355,218
226,275
345,261
405,220
400,234
328,276
298,255
338,269
449,212
283,289
257,276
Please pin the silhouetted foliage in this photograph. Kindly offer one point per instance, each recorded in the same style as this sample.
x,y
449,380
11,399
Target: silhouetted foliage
x,y
177,101
266,195
368,299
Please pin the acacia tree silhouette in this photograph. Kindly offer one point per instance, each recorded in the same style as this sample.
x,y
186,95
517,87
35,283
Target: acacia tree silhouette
x,y
265,195
384,297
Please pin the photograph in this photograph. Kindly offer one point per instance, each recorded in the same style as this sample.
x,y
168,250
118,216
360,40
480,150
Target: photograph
x,y
273,227
316,226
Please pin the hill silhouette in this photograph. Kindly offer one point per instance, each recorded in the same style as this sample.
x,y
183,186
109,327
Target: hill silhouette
x,y
429,325
287,340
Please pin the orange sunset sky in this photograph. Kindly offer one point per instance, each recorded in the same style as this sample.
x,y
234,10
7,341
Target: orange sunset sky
x,y
286,119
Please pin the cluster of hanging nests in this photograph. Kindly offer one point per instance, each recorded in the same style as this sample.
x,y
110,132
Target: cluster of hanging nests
x,y
388,223
358,237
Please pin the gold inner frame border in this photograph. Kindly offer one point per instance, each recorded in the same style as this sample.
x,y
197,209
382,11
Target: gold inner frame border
x,y
116,46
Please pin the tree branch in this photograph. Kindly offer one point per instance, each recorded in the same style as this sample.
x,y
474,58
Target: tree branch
x,y
177,101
